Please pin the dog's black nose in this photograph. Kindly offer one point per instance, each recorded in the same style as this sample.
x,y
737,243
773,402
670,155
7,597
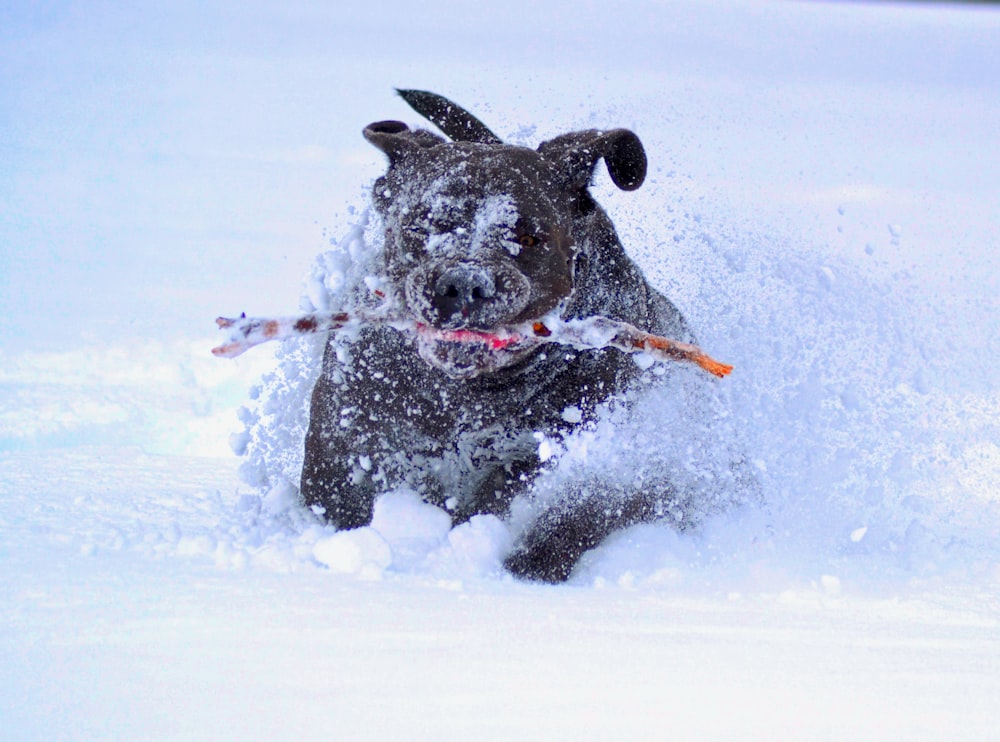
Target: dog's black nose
x,y
460,291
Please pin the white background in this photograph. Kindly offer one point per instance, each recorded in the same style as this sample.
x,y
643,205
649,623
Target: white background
x,y
823,204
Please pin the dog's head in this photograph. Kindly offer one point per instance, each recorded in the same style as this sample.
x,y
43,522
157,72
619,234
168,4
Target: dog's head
x,y
480,234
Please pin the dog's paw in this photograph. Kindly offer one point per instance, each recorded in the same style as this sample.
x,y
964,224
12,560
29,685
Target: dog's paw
x,y
542,561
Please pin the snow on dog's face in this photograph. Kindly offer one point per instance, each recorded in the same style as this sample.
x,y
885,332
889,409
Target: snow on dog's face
x,y
479,234
477,239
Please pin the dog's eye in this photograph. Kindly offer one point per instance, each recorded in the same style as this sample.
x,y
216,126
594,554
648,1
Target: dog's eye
x,y
527,240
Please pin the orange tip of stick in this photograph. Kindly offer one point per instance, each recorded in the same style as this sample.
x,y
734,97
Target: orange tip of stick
x,y
713,366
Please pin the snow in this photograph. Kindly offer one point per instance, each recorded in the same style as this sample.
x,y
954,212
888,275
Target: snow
x,y
822,204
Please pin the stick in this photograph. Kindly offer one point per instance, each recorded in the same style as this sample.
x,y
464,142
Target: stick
x,y
584,334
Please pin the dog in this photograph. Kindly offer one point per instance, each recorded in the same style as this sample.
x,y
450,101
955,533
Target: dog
x,y
479,235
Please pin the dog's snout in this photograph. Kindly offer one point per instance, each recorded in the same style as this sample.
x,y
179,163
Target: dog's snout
x,y
460,291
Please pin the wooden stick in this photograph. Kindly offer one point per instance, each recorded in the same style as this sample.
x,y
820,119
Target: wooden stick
x,y
584,334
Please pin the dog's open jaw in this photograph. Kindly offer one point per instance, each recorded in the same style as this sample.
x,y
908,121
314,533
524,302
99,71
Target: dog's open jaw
x,y
464,353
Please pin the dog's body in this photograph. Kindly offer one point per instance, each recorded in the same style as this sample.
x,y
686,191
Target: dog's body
x,y
481,235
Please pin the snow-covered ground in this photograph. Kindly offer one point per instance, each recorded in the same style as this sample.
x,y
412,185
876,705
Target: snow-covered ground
x,y
823,204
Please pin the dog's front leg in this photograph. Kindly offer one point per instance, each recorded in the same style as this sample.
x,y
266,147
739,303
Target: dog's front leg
x,y
330,483
550,549
357,428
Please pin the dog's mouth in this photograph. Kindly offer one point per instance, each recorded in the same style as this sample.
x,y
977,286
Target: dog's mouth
x,y
465,352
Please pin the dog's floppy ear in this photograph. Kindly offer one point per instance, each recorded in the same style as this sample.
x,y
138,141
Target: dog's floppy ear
x,y
454,121
396,139
575,156
392,137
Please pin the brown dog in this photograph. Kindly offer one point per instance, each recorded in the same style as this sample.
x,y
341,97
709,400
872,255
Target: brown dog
x,y
479,235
